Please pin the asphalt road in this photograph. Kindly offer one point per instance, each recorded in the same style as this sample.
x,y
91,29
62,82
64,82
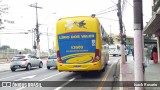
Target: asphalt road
x,y
59,80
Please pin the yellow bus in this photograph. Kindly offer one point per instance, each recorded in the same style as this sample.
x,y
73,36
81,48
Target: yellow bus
x,y
81,44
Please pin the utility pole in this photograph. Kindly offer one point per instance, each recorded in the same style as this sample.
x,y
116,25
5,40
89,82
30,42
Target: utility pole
x,y
138,42
119,14
37,30
48,42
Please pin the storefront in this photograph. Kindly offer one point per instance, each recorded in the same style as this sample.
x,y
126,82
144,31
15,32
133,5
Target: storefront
x,y
153,27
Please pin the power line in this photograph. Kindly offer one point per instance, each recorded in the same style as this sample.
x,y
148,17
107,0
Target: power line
x,y
48,16
15,33
114,2
107,12
108,18
107,9
132,7
129,3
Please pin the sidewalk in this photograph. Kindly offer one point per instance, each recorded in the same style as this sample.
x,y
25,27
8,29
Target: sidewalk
x,y
127,72
152,73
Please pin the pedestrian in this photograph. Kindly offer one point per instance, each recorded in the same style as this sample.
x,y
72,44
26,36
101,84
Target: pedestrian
x,y
20,52
133,53
146,56
154,55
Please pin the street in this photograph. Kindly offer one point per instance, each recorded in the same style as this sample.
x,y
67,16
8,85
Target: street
x,y
66,78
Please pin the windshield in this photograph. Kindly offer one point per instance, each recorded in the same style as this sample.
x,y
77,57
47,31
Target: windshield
x,y
54,56
18,57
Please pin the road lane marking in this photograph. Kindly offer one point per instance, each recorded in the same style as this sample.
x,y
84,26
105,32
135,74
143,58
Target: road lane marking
x,y
42,80
27,77
20,88
22,74
105,77
58,88
51,76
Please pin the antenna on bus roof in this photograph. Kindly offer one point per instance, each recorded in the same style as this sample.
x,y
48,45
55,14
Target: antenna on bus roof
x,y
93,15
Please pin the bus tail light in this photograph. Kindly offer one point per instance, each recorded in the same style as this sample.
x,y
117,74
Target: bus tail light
x,y
58,57
97,56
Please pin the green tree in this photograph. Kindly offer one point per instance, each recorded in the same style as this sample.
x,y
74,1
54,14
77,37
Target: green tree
x,y
4,47
27,50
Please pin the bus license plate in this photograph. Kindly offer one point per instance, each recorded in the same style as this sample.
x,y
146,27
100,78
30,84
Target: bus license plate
x,y
77,66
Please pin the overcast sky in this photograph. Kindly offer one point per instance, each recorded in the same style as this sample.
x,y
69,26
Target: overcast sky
x,y
25,19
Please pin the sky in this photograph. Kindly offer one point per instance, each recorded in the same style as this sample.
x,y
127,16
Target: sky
x,y
24,18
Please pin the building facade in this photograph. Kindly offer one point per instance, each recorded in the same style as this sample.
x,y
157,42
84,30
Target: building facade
x,y
153,26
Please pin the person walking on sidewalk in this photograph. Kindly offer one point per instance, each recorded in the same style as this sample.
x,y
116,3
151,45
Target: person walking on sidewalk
x,y
154,55
146,56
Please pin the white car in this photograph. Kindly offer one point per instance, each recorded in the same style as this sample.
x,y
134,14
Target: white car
x,y
52,61
115,49
25,61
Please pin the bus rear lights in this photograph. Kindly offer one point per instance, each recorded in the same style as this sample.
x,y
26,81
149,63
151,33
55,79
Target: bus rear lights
x,y
96,59
58,57
59,60
97,56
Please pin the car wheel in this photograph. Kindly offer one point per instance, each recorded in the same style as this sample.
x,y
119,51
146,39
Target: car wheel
x,y
40,65
28,67
103,70
48,67
13,69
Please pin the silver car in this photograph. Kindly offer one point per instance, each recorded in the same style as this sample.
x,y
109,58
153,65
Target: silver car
x,y
25,61
52,61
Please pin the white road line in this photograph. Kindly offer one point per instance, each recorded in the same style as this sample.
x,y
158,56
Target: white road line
x,y
21,74
58,88
42,80
27,77
51,76
20,88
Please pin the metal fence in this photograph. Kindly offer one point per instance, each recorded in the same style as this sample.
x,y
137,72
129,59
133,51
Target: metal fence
x,y
7,54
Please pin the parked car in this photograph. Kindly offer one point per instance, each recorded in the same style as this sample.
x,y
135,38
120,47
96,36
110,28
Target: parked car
x,y
25,61
52,61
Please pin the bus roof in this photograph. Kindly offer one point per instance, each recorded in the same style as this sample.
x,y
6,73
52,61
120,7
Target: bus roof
x,y
77,24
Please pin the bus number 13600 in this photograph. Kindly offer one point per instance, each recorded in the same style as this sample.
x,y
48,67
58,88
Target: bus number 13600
x,y
76,47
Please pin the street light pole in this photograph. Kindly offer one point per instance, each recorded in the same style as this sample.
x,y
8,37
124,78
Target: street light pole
x,y
37,30
48,42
